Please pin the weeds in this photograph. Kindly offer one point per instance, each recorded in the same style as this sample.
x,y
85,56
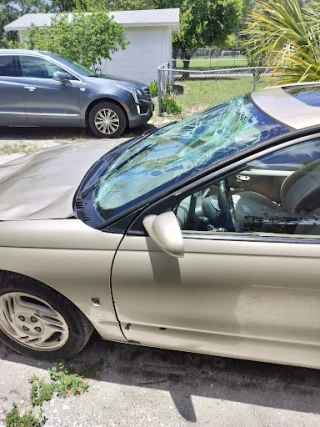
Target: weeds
x,y
170,105
63,382
153,86
18,148
28,419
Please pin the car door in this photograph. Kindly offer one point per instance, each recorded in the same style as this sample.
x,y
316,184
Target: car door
x,y
253,293
49,102
12,109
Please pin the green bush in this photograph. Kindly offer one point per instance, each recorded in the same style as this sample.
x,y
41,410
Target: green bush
x,y
153,86
170,105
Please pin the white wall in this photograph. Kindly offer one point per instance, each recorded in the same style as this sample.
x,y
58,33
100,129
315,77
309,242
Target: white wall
x,y
149,47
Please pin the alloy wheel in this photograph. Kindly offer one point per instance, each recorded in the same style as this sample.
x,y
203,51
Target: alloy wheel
x,y
107,121
32,322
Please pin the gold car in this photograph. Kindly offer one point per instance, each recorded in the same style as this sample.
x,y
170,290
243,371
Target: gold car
x,y
202,236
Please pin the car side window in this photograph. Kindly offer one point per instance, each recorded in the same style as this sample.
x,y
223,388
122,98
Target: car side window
x,y
6,66
276,194
39,68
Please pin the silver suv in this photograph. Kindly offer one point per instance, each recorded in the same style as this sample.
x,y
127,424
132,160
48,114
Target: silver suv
x,y
43,89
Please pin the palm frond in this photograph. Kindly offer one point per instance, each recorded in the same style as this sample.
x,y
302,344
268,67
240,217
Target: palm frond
x,y
287,36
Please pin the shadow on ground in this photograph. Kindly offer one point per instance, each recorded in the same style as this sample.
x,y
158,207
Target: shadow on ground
x,y
72,134
184,375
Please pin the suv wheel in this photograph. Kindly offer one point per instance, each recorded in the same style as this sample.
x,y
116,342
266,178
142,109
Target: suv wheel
x,y
107,120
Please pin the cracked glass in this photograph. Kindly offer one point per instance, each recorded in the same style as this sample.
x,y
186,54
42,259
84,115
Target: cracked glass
x,y
180,150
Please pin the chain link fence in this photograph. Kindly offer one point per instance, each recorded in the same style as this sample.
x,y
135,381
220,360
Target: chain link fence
x,y
196,89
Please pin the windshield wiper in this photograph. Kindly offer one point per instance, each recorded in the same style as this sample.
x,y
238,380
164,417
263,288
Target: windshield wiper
x,y
119,166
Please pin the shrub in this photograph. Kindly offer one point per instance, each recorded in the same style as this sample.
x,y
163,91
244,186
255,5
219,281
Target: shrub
x,y
170,105
153,86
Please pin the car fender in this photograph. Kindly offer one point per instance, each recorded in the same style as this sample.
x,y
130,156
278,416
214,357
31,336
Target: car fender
x,y
71,258
121,97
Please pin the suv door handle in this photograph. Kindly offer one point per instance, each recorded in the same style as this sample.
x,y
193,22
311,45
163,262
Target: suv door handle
x,y
30,88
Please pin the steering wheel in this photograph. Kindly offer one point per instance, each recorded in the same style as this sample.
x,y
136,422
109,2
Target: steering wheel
x,y
194,201
226,204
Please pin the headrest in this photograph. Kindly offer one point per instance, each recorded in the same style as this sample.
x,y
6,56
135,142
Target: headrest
x,y
300,191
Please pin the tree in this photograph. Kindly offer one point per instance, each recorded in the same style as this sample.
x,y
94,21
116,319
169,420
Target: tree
x,y
287,34
86,38
130,4
257,62
204,23
7,14
62,5
11,10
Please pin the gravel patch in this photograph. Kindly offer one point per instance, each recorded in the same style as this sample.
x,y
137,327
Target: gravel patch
x,y
15,142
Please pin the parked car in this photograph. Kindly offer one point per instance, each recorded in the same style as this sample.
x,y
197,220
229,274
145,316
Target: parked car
x,y
43,89
203,236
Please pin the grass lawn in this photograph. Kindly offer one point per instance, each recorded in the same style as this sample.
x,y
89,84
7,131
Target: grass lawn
x,y
200,94
221,62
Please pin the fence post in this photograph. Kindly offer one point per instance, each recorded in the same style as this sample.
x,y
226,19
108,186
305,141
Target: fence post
x,y
159,92
255,74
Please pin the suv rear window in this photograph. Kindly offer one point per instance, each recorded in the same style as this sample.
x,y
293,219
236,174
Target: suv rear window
x,y
6,66
309,95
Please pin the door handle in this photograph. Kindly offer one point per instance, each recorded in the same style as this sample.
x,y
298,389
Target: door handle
x,y
243,177
30,88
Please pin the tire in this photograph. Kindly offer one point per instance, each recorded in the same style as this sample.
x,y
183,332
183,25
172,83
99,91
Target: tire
x,y
37,321
107,111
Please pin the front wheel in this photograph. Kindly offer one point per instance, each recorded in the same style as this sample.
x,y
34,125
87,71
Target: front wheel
x,y
107,120
37,321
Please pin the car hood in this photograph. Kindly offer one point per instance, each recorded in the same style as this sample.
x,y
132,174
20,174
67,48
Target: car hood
x,y
42,185
114,79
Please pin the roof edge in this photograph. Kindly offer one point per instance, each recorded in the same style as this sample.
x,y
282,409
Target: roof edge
x,y
175,25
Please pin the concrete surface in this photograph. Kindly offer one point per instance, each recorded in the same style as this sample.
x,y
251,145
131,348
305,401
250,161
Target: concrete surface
x,y
140,386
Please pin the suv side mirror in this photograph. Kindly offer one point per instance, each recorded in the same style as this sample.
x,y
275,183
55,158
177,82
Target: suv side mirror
x,y
165,231
62,77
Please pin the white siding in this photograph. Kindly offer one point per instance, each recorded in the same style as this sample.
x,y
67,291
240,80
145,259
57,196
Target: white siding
x,y
149,47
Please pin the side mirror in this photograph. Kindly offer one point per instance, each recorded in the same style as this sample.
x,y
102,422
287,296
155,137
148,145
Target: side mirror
x,y
61,77
165,231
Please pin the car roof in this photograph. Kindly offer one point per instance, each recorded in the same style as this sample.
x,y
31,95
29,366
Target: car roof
x,y
296,105
20,51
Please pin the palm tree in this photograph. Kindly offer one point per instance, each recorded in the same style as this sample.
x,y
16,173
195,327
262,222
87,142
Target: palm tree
x,y
287,34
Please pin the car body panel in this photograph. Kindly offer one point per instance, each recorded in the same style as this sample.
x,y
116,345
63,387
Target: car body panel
x,y
44,183
13,110
250,295
52,103
48,102
71,258
108,88
285,108
252,300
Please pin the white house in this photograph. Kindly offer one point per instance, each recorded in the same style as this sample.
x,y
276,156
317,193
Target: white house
x,y
148,31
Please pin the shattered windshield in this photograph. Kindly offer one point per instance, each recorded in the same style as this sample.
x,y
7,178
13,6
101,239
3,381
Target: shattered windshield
x,y
178,151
